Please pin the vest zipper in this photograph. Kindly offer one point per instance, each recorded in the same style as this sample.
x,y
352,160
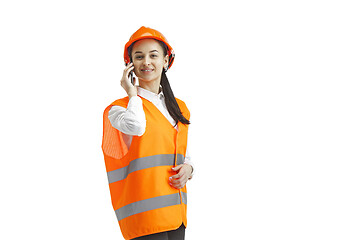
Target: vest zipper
x,y
176,154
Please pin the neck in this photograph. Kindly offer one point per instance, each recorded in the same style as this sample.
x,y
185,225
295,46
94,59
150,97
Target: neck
x,y
152,86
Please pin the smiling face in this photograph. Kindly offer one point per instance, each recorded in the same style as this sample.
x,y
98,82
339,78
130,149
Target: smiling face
x,y
149,60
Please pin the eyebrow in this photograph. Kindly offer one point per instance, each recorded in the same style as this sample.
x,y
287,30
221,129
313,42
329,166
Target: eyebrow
x,y
150,51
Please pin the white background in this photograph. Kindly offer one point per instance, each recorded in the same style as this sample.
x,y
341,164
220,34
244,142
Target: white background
x,y
272,86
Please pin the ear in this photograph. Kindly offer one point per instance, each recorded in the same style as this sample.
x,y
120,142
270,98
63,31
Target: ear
x,y
166,62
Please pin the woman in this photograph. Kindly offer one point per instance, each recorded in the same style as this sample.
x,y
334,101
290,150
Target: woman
x,y
145,144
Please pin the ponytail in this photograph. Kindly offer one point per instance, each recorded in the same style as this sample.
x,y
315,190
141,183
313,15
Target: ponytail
x,y
170,101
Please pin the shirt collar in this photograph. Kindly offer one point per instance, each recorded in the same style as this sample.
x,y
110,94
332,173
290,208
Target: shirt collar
x,y
148,95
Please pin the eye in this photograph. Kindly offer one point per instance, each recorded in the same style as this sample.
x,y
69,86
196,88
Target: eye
x,y
138,57
154,55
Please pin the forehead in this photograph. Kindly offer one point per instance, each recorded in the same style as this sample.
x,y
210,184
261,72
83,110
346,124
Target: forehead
x,y
145,45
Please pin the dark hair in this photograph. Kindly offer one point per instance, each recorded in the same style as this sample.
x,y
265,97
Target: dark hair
x,y
170,101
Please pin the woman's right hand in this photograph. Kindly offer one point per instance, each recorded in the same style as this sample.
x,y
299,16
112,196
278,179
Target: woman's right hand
x,y
126,82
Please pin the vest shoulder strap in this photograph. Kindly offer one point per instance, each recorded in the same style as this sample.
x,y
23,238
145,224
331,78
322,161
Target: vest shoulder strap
x,y
184,110
123,102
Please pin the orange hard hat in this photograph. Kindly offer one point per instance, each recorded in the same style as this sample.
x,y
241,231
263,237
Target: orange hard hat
x,y
145,32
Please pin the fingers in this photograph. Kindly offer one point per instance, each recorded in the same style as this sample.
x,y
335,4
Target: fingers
x,y
178,184
179,180
129,65
127,70
178,176
177,167
126,81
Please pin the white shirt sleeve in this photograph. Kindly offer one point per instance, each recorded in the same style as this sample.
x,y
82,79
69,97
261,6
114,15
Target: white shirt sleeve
x,y
130,120
188,159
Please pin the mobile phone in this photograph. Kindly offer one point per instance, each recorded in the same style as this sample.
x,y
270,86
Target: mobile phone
x,y
131,76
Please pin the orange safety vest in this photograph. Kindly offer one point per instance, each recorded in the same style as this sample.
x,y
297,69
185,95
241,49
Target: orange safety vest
x,y
141,196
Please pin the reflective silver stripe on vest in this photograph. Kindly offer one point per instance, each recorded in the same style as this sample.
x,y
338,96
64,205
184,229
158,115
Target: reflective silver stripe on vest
x,y
143,163
184,197
147,205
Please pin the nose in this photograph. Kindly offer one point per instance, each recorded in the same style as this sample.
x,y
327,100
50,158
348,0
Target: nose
x,y
146,60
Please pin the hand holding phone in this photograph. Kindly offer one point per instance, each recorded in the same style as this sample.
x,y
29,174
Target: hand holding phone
x,y
127,80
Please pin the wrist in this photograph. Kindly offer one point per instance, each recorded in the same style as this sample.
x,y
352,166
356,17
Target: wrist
x,y
132,94
191,167
191,170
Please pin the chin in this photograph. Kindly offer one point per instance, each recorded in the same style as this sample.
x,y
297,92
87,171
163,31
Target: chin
x,y
148,78
145,79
